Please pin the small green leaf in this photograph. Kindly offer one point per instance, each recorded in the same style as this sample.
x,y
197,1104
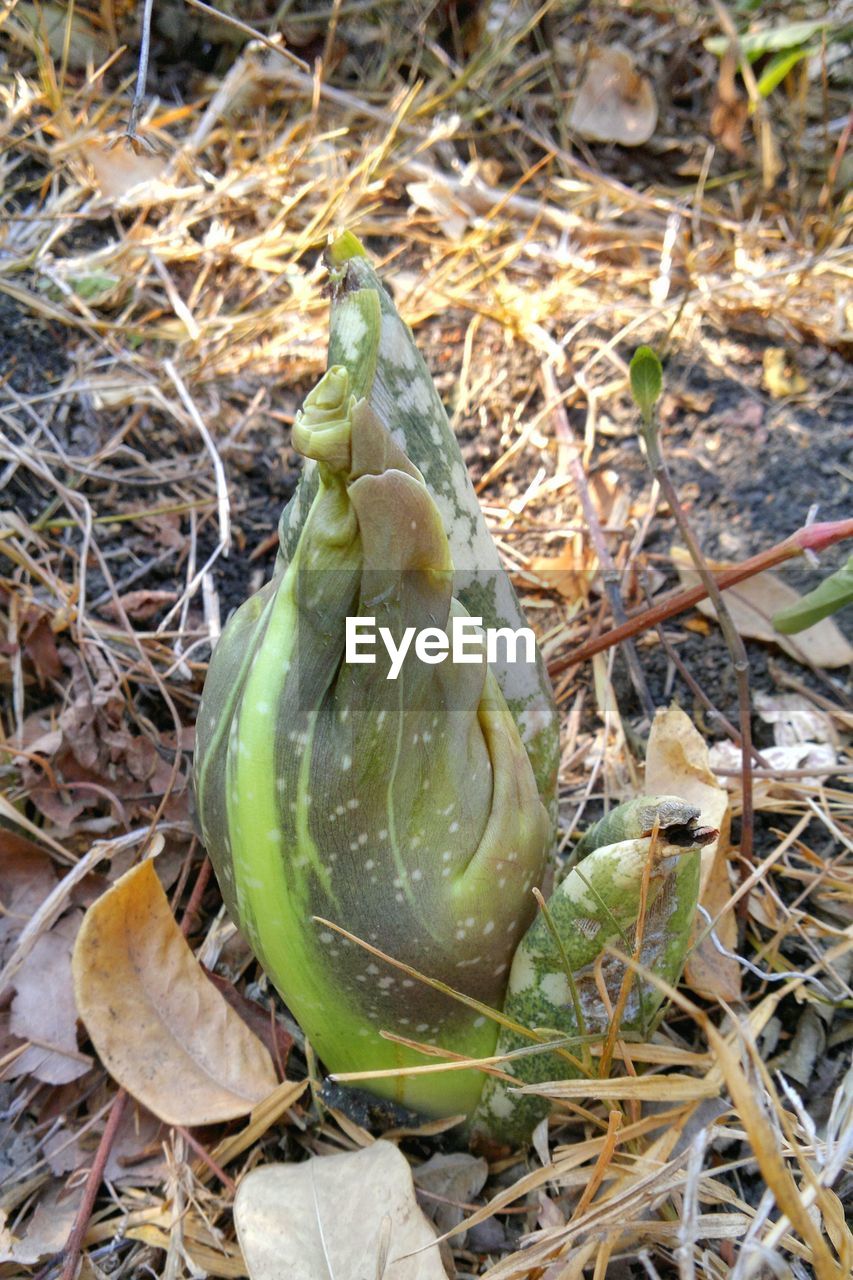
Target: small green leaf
x,y
646,380
778,67
769,39
828,597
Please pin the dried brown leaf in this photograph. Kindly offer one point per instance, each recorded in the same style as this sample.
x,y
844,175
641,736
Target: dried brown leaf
x,y
119,169
614,103
452,1180
141,605
677,764
46,1231
160,1028
26,878
351,1216
43,1010
136,1155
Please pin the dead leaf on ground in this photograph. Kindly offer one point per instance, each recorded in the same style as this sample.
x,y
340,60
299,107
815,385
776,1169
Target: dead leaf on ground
x,y
136,1156
44,1012
677,764
26,878
140,605
119,170
569,573
794,719
753,604
819,756
436,197
350,1216
452,1181
614,103
781,376
47,1230
160,1028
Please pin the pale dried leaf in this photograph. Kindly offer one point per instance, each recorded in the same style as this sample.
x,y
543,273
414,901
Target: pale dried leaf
x,y
439,199
140,605
614,103
336,1215
119,169
754,602
819,756
795,719
44,1012
160,1028
677,763
453,1180
47,1230
136,1155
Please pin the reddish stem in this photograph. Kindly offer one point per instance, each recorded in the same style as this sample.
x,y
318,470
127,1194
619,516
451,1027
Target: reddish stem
x,y
74,1243
815,537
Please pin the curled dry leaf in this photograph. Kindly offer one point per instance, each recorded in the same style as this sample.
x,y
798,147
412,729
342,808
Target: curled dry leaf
x,y
140,606
160,1028
614,103
350,1216
677,764
754,602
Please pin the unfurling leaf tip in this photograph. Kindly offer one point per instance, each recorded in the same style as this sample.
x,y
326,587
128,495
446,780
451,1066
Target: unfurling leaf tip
x,y
343,246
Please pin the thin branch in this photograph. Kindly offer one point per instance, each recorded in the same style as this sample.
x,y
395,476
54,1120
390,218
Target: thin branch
x,y
815,537
141,75
734,641
609,572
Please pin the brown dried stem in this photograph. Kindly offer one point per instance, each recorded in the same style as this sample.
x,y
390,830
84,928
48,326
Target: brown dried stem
x,y
731,635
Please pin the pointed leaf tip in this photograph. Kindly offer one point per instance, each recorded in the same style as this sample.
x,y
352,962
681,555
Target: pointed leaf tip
x,y
345,246
646,379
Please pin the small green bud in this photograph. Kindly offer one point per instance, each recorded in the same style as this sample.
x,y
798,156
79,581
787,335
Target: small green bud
x,y
646,380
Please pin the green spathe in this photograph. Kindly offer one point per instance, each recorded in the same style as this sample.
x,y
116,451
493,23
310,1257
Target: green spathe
x,y
341,788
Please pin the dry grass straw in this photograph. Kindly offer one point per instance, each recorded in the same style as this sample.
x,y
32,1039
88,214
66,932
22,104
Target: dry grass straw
x,y
183,283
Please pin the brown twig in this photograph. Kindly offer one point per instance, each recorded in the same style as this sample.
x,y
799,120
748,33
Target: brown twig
x,y
698,692
609,574
734,641
74,1243
815,537
206,1158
